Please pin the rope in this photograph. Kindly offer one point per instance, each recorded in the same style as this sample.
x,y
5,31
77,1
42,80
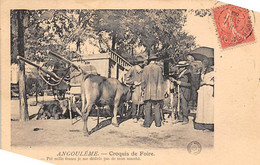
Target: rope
x,y
57,82
75,76
42,77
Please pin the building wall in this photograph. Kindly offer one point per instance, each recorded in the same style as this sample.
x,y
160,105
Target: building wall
x,y
121,72
116,70
105,64
113,69
101,65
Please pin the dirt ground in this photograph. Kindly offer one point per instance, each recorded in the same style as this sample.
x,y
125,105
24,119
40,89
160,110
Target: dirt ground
x,y
128,134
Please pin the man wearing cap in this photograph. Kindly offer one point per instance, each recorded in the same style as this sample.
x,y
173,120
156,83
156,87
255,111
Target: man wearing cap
x,y
183,80
153,87
133,79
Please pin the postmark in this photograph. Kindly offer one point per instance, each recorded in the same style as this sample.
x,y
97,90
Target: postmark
x,y
194,147
234,25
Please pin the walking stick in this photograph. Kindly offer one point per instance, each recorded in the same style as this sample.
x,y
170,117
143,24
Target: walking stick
x,y
178,101
70,102
138,105
176,115
138,110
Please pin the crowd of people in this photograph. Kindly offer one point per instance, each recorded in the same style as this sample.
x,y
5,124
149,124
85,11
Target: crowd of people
x,y
191,87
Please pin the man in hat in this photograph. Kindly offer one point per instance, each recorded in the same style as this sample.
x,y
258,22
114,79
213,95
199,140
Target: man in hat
x,y
153,87
183,81
133,79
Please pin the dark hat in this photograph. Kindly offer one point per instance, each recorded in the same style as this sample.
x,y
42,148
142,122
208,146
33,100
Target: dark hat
x,y
138,60
182,64
152,57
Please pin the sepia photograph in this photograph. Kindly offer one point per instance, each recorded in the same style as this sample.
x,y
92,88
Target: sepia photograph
x,y
137,76
88,83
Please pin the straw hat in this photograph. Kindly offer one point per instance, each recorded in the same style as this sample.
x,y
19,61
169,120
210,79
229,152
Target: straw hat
x,y
182,64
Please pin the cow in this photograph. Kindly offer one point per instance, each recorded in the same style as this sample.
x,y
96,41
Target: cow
x,y
101,91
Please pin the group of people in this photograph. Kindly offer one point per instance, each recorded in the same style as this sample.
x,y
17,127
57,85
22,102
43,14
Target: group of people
x,y
147,82
149,91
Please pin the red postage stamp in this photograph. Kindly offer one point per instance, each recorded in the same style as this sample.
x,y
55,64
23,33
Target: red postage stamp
x,y
234,25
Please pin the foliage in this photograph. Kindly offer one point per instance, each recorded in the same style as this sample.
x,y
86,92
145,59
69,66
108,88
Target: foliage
x,y
47,30
201,12
127,32
157,31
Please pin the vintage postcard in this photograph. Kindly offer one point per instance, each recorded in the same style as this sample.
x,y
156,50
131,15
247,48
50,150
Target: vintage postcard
x,y
130,82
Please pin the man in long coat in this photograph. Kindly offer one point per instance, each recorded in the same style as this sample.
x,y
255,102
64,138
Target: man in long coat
x,y
134,78
153,87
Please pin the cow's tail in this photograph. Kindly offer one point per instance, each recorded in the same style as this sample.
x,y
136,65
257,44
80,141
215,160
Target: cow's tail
x,y
83,97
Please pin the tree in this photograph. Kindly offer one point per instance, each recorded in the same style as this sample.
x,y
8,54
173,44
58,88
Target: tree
x,y
157,31
123,31
24,115
127,32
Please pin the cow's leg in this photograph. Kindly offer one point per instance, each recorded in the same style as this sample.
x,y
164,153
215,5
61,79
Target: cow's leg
x,y
111,108
83,102
98,114
114,118
85,118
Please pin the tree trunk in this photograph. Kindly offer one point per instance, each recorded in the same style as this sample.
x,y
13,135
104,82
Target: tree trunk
x,y
149,52
132,52
21,73
36,94
166,66
113,47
